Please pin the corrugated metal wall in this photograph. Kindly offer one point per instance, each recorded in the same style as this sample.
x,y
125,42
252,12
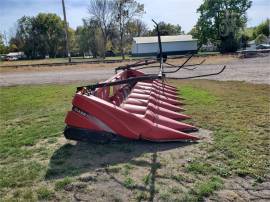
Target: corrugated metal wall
x,y
151,48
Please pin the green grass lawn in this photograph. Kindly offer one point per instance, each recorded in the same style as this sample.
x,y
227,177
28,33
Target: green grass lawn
x,y
32,121
238,113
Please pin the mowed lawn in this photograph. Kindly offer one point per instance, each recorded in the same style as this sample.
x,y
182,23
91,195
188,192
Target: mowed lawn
x,y
37,163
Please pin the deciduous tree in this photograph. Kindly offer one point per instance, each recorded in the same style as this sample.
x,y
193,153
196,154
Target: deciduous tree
x,y
262,28
102,11
88,37
136,28
40,36
167,29
126,11
220,22
3,48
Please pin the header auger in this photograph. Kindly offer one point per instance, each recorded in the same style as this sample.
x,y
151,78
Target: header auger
x,y
133,105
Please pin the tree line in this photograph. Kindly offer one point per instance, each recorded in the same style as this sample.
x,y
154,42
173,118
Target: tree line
x,y
112,24
259,33
109,29
223,24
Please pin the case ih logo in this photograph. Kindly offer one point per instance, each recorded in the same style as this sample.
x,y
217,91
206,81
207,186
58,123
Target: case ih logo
x,y
75,109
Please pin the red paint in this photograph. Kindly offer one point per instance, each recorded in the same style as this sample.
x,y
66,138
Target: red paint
x,y
145,111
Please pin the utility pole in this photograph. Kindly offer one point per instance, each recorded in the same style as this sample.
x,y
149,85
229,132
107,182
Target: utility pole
x,y
66,31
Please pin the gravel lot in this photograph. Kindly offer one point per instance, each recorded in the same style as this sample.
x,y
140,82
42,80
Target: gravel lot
x,y
254,70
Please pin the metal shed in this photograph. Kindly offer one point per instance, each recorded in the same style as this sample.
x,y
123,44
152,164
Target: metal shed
x,y
171,45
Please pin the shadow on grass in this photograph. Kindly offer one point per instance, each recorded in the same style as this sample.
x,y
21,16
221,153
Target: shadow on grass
x,y
73,160
149,186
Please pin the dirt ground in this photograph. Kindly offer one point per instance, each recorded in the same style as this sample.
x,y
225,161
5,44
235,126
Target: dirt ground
x,y
254,70
99,176
243,189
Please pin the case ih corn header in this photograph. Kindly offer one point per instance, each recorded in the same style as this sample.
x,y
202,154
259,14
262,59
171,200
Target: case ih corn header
x,y
132,105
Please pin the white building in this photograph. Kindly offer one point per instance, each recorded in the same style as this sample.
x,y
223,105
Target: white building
x,y
171,45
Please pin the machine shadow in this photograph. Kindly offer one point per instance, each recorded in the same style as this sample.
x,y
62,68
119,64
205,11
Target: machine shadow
x,y
153,167
73,160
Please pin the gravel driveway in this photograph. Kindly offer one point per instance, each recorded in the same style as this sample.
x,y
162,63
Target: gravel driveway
x,y
254,70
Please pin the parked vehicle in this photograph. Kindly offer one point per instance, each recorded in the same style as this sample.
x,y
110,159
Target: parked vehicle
x,y
109,54
263,46
15,56
11,58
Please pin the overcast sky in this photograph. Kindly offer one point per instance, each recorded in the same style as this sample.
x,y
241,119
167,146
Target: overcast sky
x,y
182,12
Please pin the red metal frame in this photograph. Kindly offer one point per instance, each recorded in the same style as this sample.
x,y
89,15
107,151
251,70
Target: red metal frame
x,y
145,110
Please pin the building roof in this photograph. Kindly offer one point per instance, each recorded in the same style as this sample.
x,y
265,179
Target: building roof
x,y
154,39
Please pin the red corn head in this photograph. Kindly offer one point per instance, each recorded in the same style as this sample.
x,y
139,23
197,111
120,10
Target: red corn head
x,y
144,110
